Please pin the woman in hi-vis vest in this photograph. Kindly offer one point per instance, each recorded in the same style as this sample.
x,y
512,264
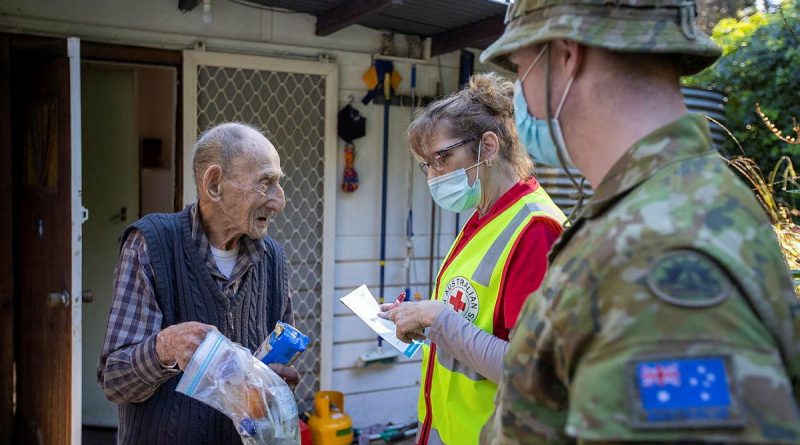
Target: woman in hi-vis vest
x,y
469,150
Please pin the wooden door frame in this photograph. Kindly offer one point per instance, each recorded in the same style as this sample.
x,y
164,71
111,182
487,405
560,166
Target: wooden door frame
x,y
90,51
47,70
7,250
8,199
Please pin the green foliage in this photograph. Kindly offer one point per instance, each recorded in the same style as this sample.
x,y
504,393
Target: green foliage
x,y
730,33
761,64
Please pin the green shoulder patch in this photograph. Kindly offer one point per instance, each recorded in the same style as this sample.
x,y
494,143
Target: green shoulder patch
x,y
689,279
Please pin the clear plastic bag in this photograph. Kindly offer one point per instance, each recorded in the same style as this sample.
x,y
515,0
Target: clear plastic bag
x,y
229,378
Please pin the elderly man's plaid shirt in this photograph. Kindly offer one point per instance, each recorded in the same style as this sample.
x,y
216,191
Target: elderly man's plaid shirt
x,y
129,370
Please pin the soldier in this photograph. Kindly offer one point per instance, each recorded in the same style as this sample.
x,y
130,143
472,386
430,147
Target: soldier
x,y
667,313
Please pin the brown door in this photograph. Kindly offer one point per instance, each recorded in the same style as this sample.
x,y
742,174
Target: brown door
x,y
47,314
7,252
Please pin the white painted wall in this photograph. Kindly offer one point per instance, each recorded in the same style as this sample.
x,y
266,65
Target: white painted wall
x,y
379,393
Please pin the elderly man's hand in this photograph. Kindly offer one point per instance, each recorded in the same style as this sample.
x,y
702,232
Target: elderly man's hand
x,y
177,343
412,318
287,373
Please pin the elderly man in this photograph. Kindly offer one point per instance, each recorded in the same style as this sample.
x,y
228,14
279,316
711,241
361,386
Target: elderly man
x,y
181,275
667,314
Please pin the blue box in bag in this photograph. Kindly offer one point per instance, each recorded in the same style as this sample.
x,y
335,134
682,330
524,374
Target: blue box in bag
x,y
284,345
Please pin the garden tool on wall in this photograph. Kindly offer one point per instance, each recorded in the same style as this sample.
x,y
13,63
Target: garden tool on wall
x,y
382,79
434,241
351,125
375,79
466,67
408,262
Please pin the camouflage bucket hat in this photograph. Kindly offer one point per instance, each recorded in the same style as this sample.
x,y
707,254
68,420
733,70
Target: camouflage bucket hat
x,y
646,26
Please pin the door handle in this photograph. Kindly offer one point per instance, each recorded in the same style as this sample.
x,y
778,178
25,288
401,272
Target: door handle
x,y
56,299
87,296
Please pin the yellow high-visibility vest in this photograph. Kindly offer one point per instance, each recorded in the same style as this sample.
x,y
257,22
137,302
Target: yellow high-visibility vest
x,y
461,400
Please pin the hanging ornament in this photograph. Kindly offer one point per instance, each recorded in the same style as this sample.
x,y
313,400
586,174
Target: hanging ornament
x,y
351,126
350,182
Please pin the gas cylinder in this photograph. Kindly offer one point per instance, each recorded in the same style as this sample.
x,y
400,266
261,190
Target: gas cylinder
x,y
329,424
305,434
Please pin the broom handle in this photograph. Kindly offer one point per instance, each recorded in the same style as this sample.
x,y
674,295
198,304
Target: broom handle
x,y
387,94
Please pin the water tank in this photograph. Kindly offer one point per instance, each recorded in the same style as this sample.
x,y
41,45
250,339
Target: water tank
x,y
712,104
557,184
706,102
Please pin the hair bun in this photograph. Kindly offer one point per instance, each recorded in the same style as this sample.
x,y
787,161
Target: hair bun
x,y
493,92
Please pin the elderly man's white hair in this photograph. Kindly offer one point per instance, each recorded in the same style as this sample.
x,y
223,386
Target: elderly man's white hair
x,y
219,145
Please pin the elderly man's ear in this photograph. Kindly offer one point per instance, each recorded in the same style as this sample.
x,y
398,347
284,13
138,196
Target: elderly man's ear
x,y
212,182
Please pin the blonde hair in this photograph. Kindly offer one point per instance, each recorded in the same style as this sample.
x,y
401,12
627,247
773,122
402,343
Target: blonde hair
x,y
485,104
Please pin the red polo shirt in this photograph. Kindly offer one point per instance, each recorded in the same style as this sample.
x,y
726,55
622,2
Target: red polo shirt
x,y
528,258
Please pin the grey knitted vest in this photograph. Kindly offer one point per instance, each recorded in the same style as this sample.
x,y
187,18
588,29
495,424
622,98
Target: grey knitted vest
x,y
186,291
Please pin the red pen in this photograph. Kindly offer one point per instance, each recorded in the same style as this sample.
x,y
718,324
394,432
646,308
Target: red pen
x,y
401,298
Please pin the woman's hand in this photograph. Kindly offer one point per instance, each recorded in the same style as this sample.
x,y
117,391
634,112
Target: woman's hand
x,y
412,318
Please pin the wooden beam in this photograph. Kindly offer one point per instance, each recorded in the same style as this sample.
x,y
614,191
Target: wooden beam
x,y
107,52
350,12
472,35
187,5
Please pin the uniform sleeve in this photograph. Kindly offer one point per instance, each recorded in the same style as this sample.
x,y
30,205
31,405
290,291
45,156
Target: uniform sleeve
x,y
527,266
129,369
531,402
676,351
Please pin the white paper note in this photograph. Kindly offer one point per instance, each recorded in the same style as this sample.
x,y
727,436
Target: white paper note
x,y
363,303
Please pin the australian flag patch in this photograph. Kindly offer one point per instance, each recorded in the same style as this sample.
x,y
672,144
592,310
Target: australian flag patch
x,y
684,393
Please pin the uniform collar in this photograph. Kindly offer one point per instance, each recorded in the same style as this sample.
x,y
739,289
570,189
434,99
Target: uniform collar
x,y
685,138
688,137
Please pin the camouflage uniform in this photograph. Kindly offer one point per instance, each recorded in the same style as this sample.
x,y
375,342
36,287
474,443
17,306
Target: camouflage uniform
x,y
669,285
654,26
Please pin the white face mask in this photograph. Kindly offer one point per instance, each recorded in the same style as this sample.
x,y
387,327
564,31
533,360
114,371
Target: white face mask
x,y
534,133
452,191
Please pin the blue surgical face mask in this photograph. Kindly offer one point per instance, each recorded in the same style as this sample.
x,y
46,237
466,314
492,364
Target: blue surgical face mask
x,y
452,191
534,133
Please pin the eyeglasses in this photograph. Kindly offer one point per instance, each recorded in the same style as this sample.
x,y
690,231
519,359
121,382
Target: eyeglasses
x,y
439,158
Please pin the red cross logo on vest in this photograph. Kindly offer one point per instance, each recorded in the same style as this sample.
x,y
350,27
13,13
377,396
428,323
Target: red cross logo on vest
x,y
457,302
462,297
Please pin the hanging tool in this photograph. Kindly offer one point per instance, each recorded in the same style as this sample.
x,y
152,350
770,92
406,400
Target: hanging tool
x,y
466,66
410,199
387,95
430,253
434,207
375,78
381,79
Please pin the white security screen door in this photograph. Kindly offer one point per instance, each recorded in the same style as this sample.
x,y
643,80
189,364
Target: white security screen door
x,y
294,102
